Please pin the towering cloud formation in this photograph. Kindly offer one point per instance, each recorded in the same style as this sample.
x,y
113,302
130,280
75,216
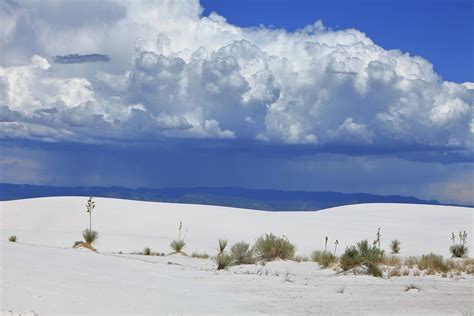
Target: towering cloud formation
x,y
174,73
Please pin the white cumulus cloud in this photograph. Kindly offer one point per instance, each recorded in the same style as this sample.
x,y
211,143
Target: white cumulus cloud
x,y
175,73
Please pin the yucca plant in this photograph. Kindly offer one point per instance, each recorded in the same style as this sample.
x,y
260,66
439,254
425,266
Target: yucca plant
x,y
459,250
395,246
178,246
89,235
223,259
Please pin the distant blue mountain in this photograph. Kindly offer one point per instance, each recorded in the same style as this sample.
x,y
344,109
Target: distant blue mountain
x,y
269,200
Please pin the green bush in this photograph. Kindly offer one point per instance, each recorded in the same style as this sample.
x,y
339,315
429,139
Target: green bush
x,y
433,262
146,251
90,236
458,251
323,258
178,246
270,247
362,255
243,253
12,238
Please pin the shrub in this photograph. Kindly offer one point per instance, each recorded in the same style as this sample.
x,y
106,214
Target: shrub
x,y
12,238
323,258
270,247
200,255
90,236
178,246
433,262
146,251
243,253
395,246
363,255
458,251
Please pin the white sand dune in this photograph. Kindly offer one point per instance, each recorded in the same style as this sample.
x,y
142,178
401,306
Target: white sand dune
x,y
41,272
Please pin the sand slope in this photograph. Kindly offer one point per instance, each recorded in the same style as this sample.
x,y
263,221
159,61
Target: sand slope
x,y
42,274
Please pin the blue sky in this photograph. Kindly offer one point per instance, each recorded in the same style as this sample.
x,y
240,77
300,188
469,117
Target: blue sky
x,y
373,96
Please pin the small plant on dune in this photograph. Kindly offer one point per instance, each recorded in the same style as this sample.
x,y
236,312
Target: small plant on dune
x,y
12,238
271,247
459,250
243,253
301,258
179,244
89,235
433,262
326,243
363,255
146,251
412,287
395,246
323,258
335,246
223,259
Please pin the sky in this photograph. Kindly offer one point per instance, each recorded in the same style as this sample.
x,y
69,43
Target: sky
x,y
370,97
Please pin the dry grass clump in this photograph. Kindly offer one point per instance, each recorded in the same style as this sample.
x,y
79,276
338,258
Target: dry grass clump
x,y
411,261
323,258
243,253
397,272
200,255
393,261
363,255
271,247
432,262
12,238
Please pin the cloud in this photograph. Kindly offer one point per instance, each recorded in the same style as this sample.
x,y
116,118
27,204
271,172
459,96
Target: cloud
x,y
78,59
176,74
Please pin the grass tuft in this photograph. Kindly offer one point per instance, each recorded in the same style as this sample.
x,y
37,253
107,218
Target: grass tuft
x,y
146,251
200,255
12,238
